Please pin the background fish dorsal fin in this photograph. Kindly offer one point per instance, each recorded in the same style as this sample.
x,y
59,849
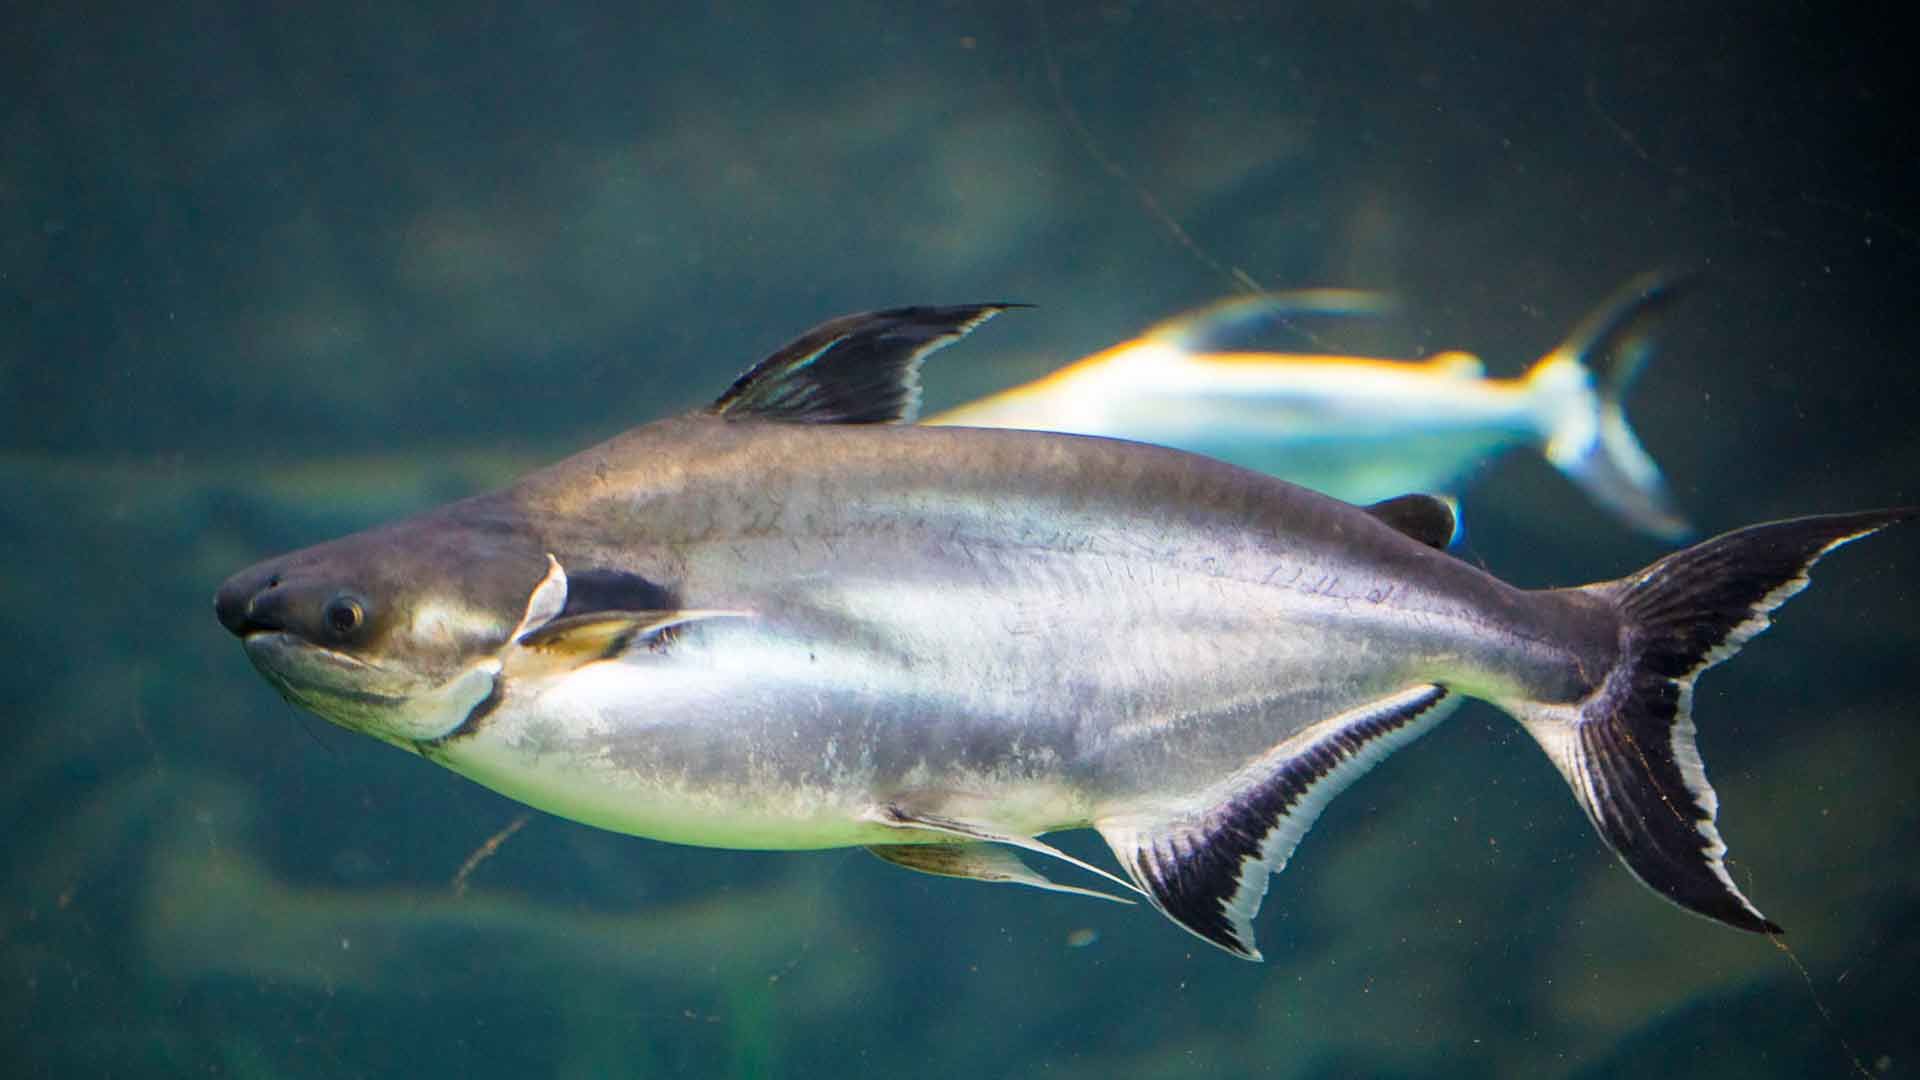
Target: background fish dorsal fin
x,y
857,369
1207,868
1460,365
1234,319
1429,519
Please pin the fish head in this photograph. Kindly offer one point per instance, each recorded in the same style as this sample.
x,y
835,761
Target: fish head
x,y
394,632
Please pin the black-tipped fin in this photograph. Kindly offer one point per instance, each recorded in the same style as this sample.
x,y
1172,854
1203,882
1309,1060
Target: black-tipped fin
x,y
1207,868
857,369
1427,518
1629,750
979,862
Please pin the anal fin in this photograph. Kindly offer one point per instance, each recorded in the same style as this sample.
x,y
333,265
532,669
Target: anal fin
x,y
1207,868
980,862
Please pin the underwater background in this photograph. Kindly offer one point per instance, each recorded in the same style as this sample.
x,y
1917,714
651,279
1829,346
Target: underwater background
x,y
270,273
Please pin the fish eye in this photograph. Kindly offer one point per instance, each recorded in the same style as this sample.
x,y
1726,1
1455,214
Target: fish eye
x,y
343,615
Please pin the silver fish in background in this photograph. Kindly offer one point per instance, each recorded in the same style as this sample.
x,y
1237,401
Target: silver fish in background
x,y
1358,428
791,621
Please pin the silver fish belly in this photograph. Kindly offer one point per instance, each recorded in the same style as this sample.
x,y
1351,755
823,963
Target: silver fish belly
x,y
1068,630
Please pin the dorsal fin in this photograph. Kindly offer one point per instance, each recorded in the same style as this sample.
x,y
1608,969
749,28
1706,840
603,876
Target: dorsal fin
x,y
1426,518
857,369
1460,365
1224,322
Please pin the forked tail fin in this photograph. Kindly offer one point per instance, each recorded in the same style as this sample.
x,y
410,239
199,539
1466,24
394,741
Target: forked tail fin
x,y
1582,413
1628,750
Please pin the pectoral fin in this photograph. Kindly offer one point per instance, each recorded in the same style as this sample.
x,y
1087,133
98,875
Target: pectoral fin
x,y
597,614
570,599
600,635
897,817
547,600
979,861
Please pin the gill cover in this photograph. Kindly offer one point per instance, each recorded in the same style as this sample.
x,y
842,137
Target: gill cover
x,y
597,616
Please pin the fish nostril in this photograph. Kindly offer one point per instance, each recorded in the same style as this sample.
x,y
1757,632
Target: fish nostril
x,y
230,607
237,605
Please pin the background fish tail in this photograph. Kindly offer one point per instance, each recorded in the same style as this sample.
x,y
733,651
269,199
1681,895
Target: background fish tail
x,y
1579,390
1628,749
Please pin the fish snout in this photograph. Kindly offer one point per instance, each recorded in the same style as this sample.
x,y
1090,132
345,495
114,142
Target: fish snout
x,y
250,601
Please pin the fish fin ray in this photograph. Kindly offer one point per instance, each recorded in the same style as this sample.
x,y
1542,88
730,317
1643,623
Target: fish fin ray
x,y
857,369
1429,519
1629,751
548,599
978,861
1208,869
895,816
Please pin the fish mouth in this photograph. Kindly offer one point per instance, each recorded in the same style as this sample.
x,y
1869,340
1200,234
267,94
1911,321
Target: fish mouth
x,y
393,705
277,647
315,677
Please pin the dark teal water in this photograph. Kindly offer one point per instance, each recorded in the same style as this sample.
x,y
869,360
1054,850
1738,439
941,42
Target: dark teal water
x,y
270,274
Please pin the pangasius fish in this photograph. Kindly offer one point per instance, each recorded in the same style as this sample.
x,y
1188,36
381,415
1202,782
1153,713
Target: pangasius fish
x,y
1359,428
791,621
